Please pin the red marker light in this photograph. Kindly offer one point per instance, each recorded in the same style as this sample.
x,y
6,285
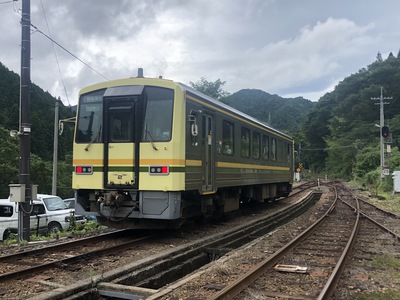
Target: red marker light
x,y
159,170
83,170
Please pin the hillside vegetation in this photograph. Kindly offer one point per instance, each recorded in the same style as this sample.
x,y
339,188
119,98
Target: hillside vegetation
x,y
340,136
286,114
42,119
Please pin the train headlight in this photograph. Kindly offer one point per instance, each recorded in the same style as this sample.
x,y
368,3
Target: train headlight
x,y
158,170
83,170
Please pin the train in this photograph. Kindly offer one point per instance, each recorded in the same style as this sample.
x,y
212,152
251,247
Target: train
x,y
152,153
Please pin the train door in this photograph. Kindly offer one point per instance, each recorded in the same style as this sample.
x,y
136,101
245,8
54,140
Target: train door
x,y
119,147
208,137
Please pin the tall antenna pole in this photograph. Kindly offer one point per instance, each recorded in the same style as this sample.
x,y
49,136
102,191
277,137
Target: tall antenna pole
x,y
381,124
25,122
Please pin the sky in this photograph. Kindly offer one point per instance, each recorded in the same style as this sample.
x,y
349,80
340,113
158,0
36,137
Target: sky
x,y
292,48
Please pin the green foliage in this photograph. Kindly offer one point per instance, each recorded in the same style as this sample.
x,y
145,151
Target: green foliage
x,y
212,89
284,114
366,161
9,162
89,226
42,137
340,135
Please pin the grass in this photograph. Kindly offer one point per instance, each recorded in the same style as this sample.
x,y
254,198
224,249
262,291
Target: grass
x,y
383,199
386,261
383,295
89,226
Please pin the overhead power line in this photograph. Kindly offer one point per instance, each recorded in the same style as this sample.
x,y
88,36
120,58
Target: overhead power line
x,y
69,52
55,55
5,2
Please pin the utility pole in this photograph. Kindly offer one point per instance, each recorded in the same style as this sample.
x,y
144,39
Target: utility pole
x,y
381,124
25,123
55,149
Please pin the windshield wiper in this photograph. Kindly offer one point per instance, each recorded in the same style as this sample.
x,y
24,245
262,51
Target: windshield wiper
x,y
95,138
150,137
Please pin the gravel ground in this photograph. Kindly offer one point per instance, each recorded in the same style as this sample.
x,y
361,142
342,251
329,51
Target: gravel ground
x,y
53,278
379,285
214,276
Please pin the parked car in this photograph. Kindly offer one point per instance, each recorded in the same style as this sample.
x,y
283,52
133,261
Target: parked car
x,y
48,214
70,202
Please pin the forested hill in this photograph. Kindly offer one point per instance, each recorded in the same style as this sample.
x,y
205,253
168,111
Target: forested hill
x,y
285,114
42,137
42,114
342,134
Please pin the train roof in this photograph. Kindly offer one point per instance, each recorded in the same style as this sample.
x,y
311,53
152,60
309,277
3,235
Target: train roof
x,y
187,89
230,109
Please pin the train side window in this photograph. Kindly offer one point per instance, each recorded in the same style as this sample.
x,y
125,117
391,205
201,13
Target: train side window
x,y
265,147
256,145
280,151
245,142
227,138
289,153
273,150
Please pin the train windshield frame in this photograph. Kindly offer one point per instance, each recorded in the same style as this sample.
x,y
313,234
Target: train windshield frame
x,y
157,116
90,117
157,122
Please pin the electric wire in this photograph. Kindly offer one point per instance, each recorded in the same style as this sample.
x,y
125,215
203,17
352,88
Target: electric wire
x,y
55,54
10,1
69,52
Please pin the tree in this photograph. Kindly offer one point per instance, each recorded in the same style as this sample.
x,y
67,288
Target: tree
x,y
212,89
9,160
379,57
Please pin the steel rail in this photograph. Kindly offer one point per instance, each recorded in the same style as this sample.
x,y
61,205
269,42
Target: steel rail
x,y
232,290
33,269
62,246
383,227
335,275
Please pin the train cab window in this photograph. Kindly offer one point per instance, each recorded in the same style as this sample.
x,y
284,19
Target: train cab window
x,y
274,150
227,138
158,115
265,147
121,127
245,142
90,117
256,145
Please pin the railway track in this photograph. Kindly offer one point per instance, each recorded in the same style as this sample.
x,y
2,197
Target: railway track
x,y
300,273
286,274
309,267
146,276
388,221
59,256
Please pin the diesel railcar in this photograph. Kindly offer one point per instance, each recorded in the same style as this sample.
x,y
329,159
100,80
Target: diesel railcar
x,y
152,153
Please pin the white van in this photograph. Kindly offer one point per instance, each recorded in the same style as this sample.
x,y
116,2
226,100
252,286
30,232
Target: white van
x,y
48,214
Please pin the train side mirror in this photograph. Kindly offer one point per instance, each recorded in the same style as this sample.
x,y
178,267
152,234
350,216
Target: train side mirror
x,y
195,129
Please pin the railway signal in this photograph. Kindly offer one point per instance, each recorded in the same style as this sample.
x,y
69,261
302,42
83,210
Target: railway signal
x,y
385,131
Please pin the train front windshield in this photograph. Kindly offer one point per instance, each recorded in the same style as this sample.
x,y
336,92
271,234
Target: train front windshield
x,y
157,110
90,117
